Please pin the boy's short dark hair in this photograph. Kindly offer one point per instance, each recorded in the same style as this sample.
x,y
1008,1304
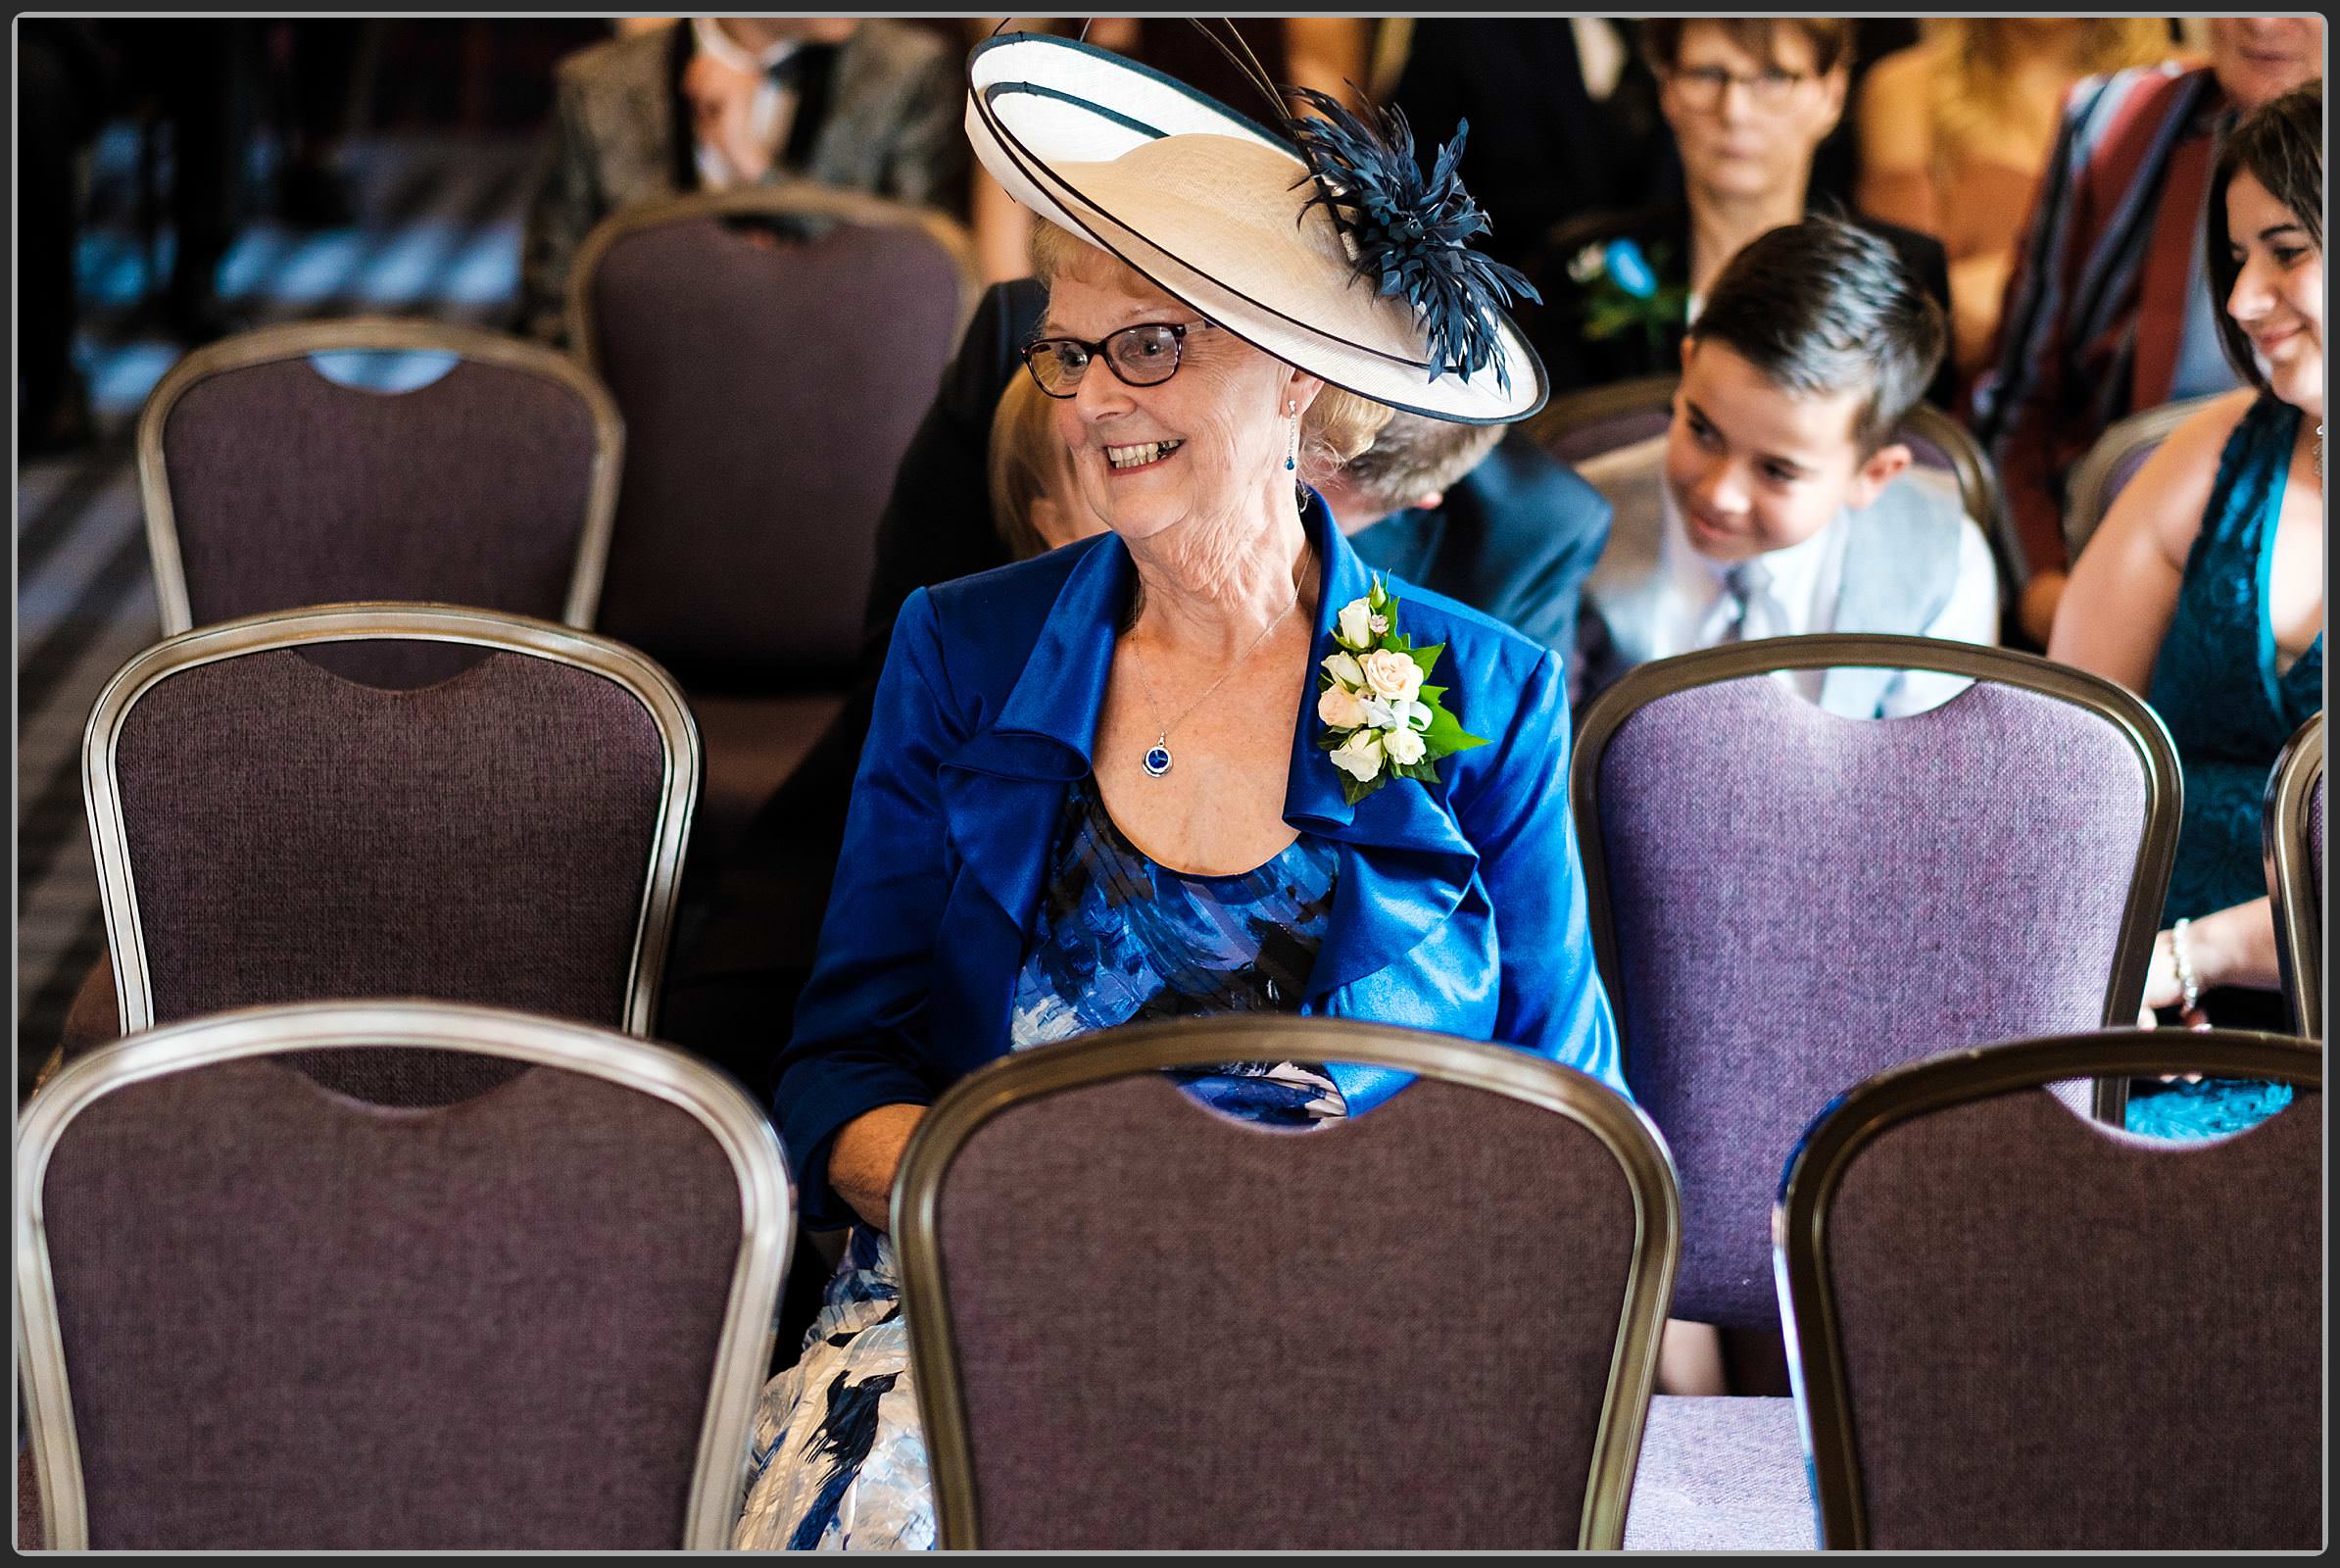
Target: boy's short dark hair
x,y
1825,306
2281,146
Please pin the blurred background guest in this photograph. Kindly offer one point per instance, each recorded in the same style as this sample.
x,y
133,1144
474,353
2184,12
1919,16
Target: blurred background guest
x,y
1954,132
1748,100
715,102
2204,591
2106,312
63,81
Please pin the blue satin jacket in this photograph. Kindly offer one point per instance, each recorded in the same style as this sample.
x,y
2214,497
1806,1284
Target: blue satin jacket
x,y
1460,906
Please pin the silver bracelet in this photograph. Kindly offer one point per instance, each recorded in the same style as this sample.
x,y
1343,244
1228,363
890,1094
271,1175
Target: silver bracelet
x,y
2189,986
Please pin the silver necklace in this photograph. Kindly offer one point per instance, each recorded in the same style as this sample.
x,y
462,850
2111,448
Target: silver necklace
x,y
1156,760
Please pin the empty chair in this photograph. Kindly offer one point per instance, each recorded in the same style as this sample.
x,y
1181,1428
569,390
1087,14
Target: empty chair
x,y
260,1315
1786,902
268,484
2019,1331
2294,827
267,829
1137,1323
2107,467
773,349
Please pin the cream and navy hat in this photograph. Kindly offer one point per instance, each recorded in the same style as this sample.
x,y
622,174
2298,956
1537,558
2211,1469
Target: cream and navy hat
x,y
1319,242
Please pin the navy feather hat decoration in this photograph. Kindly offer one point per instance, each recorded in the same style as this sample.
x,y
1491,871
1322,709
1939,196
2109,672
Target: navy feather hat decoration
x,y
1413,234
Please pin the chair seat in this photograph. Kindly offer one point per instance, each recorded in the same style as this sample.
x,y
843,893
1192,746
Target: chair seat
x,y
1720,1474
751,744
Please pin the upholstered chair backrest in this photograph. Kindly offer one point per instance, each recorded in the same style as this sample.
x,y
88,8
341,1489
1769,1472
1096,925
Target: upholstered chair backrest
x,y
269,485
268,830
1787,901
1141,1324
2019,1330
2294,841
2107,467
263,1315
773,350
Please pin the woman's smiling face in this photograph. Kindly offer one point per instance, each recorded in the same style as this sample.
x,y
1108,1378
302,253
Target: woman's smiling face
x,y
1197,444
2277,298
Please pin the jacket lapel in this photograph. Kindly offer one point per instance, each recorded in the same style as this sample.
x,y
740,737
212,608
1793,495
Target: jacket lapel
x,y
1404,865
1003,789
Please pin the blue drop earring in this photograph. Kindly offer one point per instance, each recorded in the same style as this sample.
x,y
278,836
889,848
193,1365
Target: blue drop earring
x,y
1291,457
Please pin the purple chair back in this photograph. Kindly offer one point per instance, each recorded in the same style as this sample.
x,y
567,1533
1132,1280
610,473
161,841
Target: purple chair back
x,y
2107,467
2294,839
282,1319
1787,901
770,386
269,486
1473,1273
1603,418
269,831
2022,1330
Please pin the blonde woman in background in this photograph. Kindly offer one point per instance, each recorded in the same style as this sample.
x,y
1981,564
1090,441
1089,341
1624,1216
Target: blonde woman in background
x,y
1955,130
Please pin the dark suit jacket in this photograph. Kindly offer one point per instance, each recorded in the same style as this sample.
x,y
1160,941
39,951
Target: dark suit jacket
x,y
1576,362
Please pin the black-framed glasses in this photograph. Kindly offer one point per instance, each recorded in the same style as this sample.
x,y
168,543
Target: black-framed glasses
x,y
1703,86
1143,355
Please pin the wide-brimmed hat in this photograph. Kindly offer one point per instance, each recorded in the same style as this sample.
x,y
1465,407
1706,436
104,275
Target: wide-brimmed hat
x,y
1285,237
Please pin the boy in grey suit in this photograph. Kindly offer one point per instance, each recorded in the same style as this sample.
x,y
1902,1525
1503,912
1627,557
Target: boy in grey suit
x,y
1777,502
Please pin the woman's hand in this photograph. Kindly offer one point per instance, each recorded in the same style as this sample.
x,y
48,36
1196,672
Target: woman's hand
x,y
867,1153
2164,988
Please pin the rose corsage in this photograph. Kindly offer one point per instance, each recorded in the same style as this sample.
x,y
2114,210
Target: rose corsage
x,y
1382,719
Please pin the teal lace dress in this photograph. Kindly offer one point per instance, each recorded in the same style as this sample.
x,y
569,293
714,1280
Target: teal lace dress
x,y
2229,708
837,1460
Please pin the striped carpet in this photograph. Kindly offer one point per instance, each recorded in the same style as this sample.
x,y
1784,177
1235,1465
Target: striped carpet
x,y
438,236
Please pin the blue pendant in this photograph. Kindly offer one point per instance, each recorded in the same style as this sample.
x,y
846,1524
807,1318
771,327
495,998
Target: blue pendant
x,y
1158,760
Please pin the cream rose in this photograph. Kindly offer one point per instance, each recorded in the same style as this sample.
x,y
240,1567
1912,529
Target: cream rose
x,y
1339,707
1404,744
1356,624
1360,756
1344,668
1391,674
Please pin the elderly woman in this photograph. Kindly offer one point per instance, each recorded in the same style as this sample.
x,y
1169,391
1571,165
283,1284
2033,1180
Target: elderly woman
x,y
1180,767
2204,591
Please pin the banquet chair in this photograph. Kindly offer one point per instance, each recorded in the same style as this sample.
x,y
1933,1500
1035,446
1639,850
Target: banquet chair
x,y
1786,902
1582,425
2107,467
268,484
2294,838
772,349
268,829
1105,1279
255,1314
2020,1331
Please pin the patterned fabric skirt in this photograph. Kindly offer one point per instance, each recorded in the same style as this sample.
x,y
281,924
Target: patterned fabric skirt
x,y
836,1462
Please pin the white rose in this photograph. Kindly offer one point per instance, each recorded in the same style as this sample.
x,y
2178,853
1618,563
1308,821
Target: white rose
x,y
1586,265
1344,668
1356,624
1360,756
1392,673
1339,707
1403,744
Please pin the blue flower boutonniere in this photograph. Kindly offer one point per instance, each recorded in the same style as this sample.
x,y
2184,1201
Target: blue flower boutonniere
x,y
1623,291
1382,718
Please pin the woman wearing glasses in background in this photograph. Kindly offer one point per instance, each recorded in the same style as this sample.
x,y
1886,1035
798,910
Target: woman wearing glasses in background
x,y
1175,768
1749,100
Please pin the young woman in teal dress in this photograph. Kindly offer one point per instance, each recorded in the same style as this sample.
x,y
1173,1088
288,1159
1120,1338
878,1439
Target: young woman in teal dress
x,y
2204,590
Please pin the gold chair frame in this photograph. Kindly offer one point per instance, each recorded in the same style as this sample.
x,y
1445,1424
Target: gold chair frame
x,y
1018,1079
2291,879
378,334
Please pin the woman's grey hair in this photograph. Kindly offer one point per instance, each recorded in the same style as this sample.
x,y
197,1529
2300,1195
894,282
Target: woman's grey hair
x,y
1339,426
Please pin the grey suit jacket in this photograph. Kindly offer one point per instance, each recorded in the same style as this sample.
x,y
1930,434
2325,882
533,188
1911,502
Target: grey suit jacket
x,y
1901,564
890,128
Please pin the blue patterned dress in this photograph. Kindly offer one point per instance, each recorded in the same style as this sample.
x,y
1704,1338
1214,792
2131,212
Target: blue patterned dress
x,y
2229,708
837,1459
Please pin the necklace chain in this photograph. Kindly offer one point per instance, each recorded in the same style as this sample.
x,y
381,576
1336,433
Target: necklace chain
x,y
1161,747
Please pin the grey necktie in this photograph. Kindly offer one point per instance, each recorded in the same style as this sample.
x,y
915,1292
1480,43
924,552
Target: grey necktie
x,y
1743,585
